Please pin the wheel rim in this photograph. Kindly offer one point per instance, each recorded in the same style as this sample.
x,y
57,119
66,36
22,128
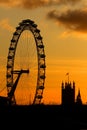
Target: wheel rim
x,y
26,25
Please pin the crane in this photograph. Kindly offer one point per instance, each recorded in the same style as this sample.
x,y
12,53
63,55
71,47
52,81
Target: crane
x,y
11,93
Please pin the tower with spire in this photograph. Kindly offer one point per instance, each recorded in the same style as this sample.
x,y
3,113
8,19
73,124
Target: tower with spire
x,y
78,98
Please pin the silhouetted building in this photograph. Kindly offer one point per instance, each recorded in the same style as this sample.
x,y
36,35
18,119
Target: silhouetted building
x,y
68,93
3,101
78,98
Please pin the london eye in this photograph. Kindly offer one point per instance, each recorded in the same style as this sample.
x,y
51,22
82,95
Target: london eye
x,y
25,74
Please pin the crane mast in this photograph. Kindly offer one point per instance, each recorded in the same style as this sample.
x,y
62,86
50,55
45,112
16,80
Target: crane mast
x,y
11,93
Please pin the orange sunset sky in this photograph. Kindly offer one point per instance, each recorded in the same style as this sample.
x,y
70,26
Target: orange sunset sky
x,y
63,26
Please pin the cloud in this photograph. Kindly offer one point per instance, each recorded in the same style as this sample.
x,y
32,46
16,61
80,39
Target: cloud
x,y
75,20
29,4
10,3
37,3
69,1
5,25
4,1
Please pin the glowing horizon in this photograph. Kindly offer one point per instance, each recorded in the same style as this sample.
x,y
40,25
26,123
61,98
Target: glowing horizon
x,y
54,78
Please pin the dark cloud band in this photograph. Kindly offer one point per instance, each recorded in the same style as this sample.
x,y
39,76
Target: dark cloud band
x,y
29,4
75,20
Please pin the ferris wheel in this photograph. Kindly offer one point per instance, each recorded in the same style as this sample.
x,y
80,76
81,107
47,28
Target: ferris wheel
x,y
25,75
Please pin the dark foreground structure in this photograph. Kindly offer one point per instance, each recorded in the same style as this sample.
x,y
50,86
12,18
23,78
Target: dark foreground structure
x,y
61,117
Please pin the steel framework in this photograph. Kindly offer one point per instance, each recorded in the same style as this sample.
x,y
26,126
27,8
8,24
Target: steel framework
x,y
26,24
